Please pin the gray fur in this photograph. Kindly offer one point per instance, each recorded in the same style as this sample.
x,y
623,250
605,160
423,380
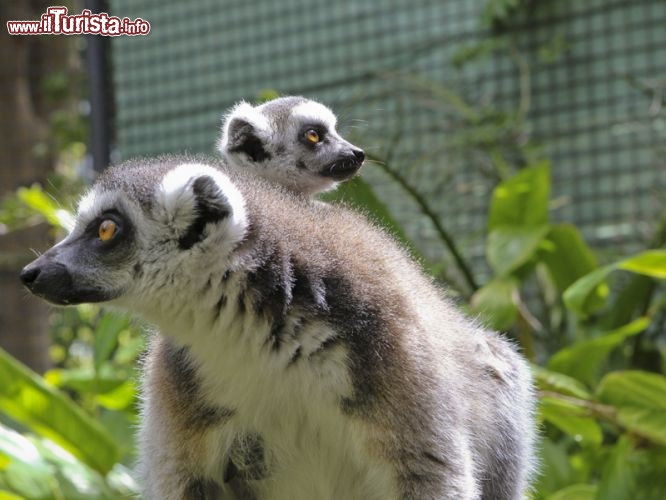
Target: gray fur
x,y
268,141
303,354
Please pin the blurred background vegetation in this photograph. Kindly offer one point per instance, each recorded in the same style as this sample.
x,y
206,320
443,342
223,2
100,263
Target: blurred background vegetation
x,y
515,147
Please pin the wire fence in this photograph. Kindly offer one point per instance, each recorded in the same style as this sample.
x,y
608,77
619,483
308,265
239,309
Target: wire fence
x,y
430,89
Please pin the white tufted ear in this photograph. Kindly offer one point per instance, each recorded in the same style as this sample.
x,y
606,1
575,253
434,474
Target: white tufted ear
x,y
241,120
194,195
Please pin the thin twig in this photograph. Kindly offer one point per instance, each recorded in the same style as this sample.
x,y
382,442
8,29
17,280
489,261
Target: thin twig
x,y
608,413
524,82
430,214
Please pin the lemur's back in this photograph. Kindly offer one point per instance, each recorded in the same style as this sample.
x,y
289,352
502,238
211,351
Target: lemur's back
x,y
442,360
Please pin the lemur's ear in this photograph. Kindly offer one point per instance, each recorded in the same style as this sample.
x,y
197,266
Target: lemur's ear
x,y
192,197
210,206
242,132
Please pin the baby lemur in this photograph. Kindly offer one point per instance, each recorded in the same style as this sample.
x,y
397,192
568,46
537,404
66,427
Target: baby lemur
x,y
290,141
302,354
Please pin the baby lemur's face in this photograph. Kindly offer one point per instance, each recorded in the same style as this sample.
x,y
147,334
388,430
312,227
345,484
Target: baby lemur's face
x,y
291,141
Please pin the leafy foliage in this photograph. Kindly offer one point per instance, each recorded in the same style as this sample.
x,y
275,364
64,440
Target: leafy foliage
x,y
601,414
603,418
593,327
69,434
63,452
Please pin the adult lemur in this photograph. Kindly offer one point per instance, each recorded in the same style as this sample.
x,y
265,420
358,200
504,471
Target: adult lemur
x,y
302,354
290,141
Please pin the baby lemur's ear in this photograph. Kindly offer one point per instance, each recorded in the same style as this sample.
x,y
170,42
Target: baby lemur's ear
x,y
243,131
193,197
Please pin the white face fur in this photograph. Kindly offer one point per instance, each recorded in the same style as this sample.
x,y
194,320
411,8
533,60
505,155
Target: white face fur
x,y
151,240
290,141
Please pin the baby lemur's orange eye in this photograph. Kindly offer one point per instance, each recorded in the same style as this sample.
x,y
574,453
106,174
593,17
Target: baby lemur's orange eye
x,y
312,136
107,229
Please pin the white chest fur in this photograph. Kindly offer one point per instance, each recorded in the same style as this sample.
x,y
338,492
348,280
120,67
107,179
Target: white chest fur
x,y
290,398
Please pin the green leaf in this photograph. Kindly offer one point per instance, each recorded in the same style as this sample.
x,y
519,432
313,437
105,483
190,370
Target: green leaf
x,y
584,358
495,304
648,423
508,248
76,481
522,200
267,95
577,297
518,219
552,381
122,482
40,469
498,11
26,398
119,398
588,293
575,492
35,198
107,330
6,495
640,399
627,473
129,350
650,263
121,425
632,299
84,379
571,419
634,388
650,467
618,479
556,471
566,255
27,474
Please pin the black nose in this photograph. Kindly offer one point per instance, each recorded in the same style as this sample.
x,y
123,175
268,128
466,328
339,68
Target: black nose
x,y
359,155
29,275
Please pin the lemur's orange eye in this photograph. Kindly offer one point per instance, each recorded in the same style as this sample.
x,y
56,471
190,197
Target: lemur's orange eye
x,y
312,136
107,229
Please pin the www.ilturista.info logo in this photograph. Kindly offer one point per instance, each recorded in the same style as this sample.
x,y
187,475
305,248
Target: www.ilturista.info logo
x,y
56,22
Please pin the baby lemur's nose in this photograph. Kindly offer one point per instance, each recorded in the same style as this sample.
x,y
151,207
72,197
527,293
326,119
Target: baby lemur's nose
x,y
359,154
29,275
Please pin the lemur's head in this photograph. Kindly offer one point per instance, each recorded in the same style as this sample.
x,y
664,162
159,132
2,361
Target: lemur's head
x,y
143,234
290,141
